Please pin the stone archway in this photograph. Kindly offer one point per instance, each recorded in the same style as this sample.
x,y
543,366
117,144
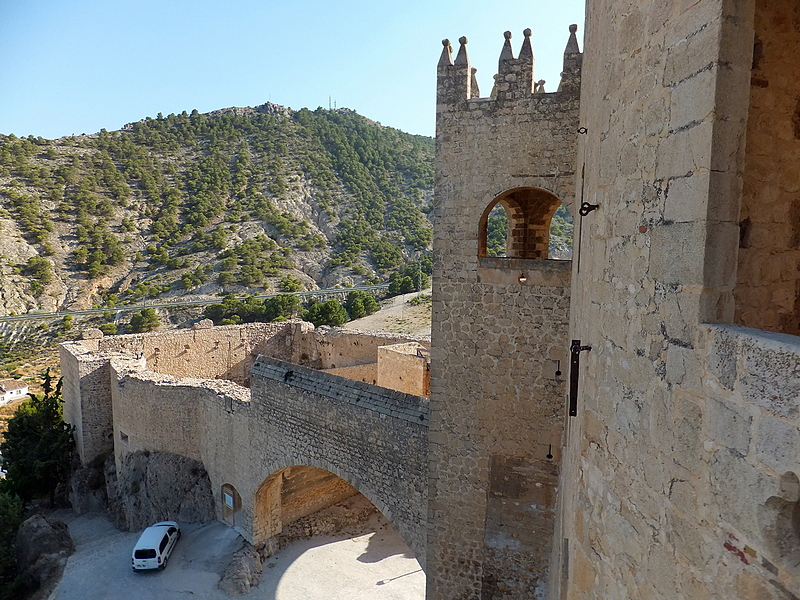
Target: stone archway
x,y
293,493
350,534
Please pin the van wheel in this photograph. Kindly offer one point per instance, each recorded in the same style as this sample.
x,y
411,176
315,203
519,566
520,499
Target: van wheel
x,y
164,564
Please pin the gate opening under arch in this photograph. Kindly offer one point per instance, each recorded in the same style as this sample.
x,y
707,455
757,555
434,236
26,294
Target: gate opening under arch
x,y
354,544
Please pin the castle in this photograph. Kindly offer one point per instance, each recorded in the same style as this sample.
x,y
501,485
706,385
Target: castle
x,y
664,464
622,425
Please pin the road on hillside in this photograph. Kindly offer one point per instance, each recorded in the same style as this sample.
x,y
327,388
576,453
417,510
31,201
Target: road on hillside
x,y
36,315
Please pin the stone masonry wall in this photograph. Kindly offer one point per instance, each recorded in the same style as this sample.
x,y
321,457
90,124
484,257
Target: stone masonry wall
x,y
678,462
87,398
768,287
404,367
226,352
372,438
334,348
499,331
366,373
163,413
750,492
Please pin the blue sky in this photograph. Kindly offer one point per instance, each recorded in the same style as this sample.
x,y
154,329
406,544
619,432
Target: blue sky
x,y
71,67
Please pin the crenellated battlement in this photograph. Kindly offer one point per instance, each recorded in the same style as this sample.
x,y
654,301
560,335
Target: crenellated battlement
x,y
457,81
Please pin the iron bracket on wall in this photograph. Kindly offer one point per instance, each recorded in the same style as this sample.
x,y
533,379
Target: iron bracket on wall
x,y
574,371
586,208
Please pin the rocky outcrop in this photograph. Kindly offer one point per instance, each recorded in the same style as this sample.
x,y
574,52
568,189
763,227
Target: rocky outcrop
x,y
243,572
87,488
158,486
42,548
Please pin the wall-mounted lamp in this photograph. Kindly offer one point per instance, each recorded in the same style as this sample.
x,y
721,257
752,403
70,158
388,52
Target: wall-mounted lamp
x,y
522,278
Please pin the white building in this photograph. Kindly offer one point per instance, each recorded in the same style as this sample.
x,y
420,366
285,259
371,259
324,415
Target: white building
x,y
12,390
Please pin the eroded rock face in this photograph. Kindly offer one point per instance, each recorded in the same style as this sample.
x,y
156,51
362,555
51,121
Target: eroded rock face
x,y
42,548
158,486
243,572
87,489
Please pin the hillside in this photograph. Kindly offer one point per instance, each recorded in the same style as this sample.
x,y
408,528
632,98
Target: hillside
x,y
235,200
239,200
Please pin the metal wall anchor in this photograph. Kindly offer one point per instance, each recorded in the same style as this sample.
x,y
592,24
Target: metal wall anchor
x,y
586,208
574,371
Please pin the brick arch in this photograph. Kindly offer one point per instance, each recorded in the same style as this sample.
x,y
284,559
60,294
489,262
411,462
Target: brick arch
x,y
294,491
529,211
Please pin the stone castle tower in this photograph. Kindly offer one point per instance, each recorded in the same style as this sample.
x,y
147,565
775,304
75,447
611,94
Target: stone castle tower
x,y
499,323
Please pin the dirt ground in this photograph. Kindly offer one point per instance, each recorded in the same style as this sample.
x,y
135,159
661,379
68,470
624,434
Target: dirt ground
x,y
398,315
365,562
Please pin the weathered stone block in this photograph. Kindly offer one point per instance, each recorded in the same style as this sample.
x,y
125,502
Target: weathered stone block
x,y
729,425
778,444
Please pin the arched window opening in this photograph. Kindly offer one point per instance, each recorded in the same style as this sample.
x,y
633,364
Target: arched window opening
x,y
767,293
528,215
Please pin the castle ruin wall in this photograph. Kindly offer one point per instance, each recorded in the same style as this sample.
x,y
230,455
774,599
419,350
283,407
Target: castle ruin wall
x,y
224,352
373,438
404,367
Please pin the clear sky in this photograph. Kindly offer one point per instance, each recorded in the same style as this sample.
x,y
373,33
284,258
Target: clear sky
x,y
76,66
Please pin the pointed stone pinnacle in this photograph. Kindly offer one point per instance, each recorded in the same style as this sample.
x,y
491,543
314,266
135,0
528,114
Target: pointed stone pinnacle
x,y
462,58
507,53
572,44
446,59
474,90
526,52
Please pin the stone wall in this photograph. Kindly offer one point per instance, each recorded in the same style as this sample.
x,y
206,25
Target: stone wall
x,y
162,413
334,348
373,438
226,352
499,329
748,480
366,373
292,418
87,398
768,284
405,368
679,472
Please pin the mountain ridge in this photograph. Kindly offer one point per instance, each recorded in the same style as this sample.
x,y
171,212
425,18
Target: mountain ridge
x,y
158,205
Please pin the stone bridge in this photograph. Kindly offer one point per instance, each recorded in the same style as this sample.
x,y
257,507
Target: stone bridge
x,y
293,440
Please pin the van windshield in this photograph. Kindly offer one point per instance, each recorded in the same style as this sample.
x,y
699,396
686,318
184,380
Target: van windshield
x,y
145,553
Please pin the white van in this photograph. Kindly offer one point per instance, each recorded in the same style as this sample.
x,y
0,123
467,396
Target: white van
x,y
155,545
